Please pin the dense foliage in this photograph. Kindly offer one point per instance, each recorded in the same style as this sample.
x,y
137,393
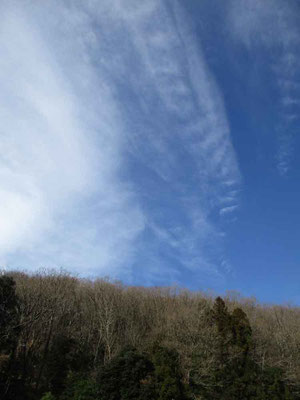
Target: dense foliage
x,y
62,338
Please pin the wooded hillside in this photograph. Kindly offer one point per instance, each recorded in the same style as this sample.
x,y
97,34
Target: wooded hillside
x,y
66,338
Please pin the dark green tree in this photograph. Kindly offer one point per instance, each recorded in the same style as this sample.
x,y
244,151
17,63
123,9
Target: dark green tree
x,y
48,396
273,386
80,387
241,330
9,315
232,372
167,374
223,322
126,377
62,359
11,387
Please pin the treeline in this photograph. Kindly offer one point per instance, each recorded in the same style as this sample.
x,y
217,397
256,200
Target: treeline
x,y
63,338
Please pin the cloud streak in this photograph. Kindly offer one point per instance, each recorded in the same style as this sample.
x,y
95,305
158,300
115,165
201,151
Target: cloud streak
x,y
120,153
273,26
60,151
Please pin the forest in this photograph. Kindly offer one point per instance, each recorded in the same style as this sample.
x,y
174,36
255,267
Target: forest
x,y
64,338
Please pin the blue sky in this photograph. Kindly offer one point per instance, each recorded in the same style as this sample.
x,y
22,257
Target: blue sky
x,y
154,142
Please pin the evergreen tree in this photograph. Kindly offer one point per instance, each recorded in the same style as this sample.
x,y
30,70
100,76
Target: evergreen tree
x,y
272,386
241,330
222,319
232,372
48,396
9,315
11,386
126,377
80,388
167,374
61,360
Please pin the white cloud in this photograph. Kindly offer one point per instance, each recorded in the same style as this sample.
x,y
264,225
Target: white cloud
x,y
60,148
86,91
273,25
228,210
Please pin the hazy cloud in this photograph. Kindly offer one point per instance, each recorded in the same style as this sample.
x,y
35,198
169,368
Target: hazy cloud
x,y
274,25
115,145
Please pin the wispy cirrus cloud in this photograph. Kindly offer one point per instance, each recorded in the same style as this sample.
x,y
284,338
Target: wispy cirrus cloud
x,y
60,149
271,28
121,152
228,209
